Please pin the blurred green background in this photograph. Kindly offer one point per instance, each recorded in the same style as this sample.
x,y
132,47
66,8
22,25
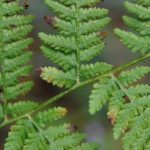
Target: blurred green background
x,y
97,127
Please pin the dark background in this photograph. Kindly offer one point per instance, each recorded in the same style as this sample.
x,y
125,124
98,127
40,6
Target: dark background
x,y
97,127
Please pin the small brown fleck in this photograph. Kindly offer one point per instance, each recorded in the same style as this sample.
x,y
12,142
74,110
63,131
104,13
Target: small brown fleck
x,y
26,4
73,128
49,20
104,34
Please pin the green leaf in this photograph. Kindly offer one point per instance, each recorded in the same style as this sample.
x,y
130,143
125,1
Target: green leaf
x,y
134,42
12,8
49,116
92,13
14,49
14,63
17,33
138,10
18,133
65,61
19,20
136,136
58,77
142,27
68,141
144,2
92,52
13,92
100,95
21,107
35,141
78,40
93,70
59,43
12,78
133,75
129,112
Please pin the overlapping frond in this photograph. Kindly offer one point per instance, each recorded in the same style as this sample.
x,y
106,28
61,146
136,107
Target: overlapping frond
x,y
41,133
79,41
14,28
139,21
127,105
129,110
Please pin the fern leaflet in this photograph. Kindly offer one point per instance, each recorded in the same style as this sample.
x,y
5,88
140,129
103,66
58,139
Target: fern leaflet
x,y
78,42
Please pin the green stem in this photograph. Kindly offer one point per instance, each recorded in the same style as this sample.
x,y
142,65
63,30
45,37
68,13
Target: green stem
x,y
122,88
2,59
38,128
84,83
77,43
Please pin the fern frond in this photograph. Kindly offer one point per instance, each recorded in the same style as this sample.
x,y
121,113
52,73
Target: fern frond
x,y
12,92
80,3
20,108
20,20
134,42
135,138
128,113
138,10
17,33
15,63
100,95
128,77
9,9
132,119
79,41
139,90
128,106
14,49
138,25
50,115
140,22
40,133
144,2
13,59
92,52
35,141
59,58
92,70
59,43
116,104
93,13
18,133
58,77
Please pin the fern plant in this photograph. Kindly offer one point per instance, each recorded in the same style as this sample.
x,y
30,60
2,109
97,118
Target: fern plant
x,y
79,40
126,102
38,132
